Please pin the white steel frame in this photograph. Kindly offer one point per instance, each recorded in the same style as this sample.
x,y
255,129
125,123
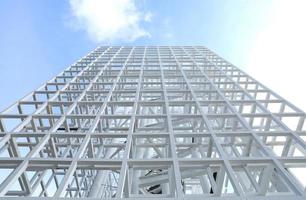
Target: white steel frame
x,y
154,122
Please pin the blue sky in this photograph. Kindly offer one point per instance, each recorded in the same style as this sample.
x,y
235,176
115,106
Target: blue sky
x,y
264,37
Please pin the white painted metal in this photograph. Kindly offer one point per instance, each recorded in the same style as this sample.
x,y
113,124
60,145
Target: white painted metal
x,y
154,122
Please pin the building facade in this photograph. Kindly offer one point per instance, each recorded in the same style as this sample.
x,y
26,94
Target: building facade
x,y
160,122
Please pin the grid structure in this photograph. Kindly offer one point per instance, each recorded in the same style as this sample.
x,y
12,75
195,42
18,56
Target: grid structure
x,y
160,122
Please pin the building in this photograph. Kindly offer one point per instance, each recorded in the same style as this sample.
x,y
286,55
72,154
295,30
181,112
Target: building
x,y
161,122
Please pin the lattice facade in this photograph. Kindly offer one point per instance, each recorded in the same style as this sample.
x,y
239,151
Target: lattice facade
x,y
157,122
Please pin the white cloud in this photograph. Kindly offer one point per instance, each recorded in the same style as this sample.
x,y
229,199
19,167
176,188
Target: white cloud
x,y
109,20
278,57
148,17
167,32
168,35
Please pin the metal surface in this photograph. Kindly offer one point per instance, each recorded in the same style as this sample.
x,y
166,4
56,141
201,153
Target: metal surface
x,y
152,122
